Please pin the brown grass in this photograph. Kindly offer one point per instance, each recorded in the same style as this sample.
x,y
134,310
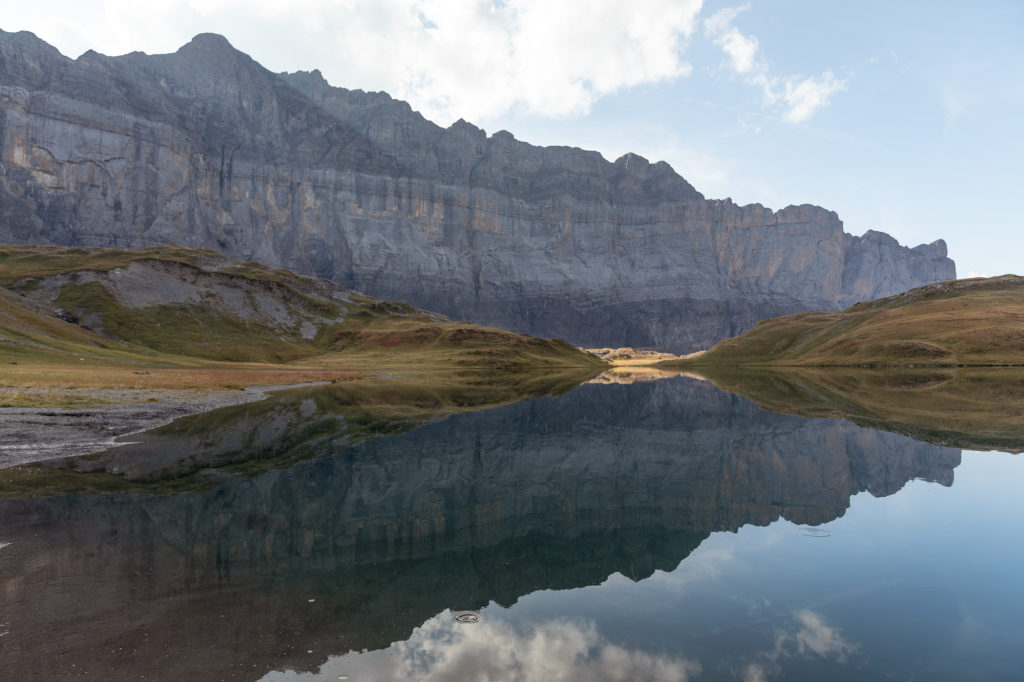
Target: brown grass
x,y
976,322
65,376
21,263
974,408
193,347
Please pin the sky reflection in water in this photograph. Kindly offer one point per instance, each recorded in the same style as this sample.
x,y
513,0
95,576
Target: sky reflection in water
x,y
612,533
921,584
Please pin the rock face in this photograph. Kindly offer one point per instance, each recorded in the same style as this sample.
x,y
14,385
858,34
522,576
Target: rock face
x,y
204,147
553,493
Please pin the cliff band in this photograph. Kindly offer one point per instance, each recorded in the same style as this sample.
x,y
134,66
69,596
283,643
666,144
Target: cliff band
x,y
206,148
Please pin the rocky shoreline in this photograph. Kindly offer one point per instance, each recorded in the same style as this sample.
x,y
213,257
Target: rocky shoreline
x,y
35,434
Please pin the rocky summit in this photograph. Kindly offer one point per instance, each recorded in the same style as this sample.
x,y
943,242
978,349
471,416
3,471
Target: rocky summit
x,y
206,148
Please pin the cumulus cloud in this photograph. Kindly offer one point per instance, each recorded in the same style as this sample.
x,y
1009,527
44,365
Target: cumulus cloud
x,y
741,49
808,635
815,635
442,650
554,650
479,60
805,96
797,97
474,59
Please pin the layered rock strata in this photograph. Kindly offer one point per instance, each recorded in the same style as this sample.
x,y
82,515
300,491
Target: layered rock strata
x,y
204,147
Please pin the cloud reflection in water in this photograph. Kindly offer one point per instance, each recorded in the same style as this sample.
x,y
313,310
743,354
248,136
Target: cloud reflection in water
x,y
811,635
443,649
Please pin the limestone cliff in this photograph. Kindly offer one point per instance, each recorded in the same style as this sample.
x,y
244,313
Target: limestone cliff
x,y
204,147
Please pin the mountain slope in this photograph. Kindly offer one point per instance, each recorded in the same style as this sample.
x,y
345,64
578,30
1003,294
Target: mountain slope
x,y
206,148
961,322
168,303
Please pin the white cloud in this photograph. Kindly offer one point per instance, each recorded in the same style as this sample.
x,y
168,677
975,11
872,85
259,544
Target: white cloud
x,y
798,98
807,636
755,672
741,49
449,58
812,634
476,59
554,650
442,650
817,636
805,96
550,59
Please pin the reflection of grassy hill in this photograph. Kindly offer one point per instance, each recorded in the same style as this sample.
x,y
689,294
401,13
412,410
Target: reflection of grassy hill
x,y
202,450
972,408
89,316
961,322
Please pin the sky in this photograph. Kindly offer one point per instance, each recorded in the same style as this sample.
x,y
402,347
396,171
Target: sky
x,y
904,117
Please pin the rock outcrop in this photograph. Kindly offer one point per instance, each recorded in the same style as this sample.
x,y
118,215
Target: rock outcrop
x,y
204,147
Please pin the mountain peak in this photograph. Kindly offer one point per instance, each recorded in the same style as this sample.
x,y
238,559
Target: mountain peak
x,y
27,60
354,186
209,42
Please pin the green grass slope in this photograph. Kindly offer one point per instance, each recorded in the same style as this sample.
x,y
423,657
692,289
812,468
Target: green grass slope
x,y
970,322
189,306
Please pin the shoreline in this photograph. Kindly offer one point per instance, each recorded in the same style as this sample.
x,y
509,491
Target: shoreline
x,y
74,432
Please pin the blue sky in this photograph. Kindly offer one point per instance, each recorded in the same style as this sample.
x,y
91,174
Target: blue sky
x,y
901,116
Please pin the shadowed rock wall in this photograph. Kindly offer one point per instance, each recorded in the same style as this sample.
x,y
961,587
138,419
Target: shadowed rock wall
x,y
204,147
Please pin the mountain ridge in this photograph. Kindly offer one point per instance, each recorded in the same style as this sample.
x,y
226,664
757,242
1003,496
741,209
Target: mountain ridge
x,y
206,148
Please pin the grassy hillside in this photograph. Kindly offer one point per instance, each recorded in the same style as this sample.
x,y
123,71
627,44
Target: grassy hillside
x,y
80,317
977,408
974,322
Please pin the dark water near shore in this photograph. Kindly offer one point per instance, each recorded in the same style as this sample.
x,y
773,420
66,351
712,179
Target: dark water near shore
x,y
658,531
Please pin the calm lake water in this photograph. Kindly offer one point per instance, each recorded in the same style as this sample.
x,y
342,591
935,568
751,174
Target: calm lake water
x,y
656,531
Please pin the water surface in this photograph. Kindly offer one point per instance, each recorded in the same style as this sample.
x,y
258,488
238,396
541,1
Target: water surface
x,y
664,530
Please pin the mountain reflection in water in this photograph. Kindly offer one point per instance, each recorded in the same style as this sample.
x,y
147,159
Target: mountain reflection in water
x,y
359,545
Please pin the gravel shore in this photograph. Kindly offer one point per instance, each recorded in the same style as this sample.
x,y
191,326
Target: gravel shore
x,y
34,434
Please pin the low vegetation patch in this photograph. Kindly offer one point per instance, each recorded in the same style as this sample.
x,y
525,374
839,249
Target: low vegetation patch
x,y
182,329
27,263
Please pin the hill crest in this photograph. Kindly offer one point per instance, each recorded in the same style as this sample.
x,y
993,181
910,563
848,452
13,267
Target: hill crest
x,y
969,322
116,304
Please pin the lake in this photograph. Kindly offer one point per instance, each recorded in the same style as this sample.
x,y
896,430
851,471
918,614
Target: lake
x,y
662,530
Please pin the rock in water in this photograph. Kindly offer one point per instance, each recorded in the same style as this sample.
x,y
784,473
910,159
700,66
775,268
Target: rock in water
x,y
206,148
